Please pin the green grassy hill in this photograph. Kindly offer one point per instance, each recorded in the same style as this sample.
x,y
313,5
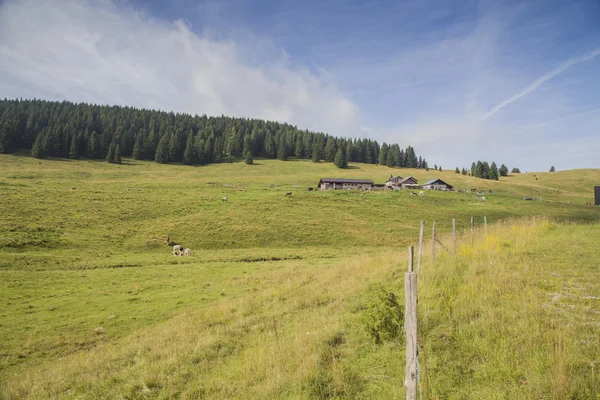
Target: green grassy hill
x,y
272,301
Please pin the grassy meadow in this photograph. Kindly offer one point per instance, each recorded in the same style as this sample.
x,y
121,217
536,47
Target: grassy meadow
x,y
277,298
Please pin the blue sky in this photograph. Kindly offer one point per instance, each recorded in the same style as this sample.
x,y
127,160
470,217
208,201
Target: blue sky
x,y
517,82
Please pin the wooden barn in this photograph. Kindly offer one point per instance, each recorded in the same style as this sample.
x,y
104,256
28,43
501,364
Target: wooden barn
x,y
437,184
345,184
597,195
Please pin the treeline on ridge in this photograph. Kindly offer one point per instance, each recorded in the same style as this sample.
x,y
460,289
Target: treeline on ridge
x,y
69,130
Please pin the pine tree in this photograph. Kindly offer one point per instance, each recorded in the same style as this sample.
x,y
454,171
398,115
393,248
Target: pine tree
x,y
162,150
340,159
440,168
435,166
94,149
202,156
117,158
486,170
473,168
110,156
249,159
299,147
282,151
138,147
270,150
317,152
552,169
233,147
37,150
383,153
464,171
457,170
190,156
515,170
74,147
330,150
503,170
247,146
493,174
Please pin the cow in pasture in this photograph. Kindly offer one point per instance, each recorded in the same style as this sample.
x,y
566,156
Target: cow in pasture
x,y
224,200
186,252
413,194
177,250
362,195
288,193
73,188
421,193
482,198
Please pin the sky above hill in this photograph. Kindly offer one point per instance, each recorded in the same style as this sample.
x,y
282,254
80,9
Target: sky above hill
x,y
516,82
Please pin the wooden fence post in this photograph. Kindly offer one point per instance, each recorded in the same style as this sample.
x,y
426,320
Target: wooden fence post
x,y
485,223
472,230
454,235
420,246
410,328
433,243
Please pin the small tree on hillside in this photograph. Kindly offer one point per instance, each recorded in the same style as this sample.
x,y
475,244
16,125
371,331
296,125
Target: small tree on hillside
x,y
515,170
249,159
503,170
340,159
493,174
440,168
435,166
552,169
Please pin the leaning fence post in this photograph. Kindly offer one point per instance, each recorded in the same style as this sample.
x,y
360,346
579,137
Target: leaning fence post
x,y
410,328
454,235
420,246
433,243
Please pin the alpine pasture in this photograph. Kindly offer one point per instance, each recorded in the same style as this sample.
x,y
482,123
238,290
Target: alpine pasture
x,y
290,296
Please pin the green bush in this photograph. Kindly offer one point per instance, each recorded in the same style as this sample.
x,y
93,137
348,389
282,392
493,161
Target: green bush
x,y
384,317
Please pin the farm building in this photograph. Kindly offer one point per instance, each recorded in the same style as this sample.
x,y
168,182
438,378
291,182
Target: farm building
x,y
597,195
402,183
393,181
345,184
437,184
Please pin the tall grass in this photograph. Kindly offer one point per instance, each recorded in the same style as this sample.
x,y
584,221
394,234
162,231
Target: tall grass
x,y
490,327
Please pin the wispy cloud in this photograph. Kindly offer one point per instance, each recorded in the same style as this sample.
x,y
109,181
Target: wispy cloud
x,y
541,80
556,120
104,52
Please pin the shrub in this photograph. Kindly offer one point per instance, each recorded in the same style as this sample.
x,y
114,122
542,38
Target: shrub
x,y
384,317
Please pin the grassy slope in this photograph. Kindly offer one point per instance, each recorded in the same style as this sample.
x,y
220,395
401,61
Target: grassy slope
x,y
74,260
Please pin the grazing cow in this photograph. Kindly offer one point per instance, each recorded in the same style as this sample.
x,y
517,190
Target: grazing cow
x,y
362,195
482,198
421,193
413,194
224,199
288,193
73,188
186,252
310,189
473,190
489,190
177,250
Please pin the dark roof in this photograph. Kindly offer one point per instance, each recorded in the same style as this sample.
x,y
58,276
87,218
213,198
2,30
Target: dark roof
x,y
407,179
431,182
341,180
395,178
